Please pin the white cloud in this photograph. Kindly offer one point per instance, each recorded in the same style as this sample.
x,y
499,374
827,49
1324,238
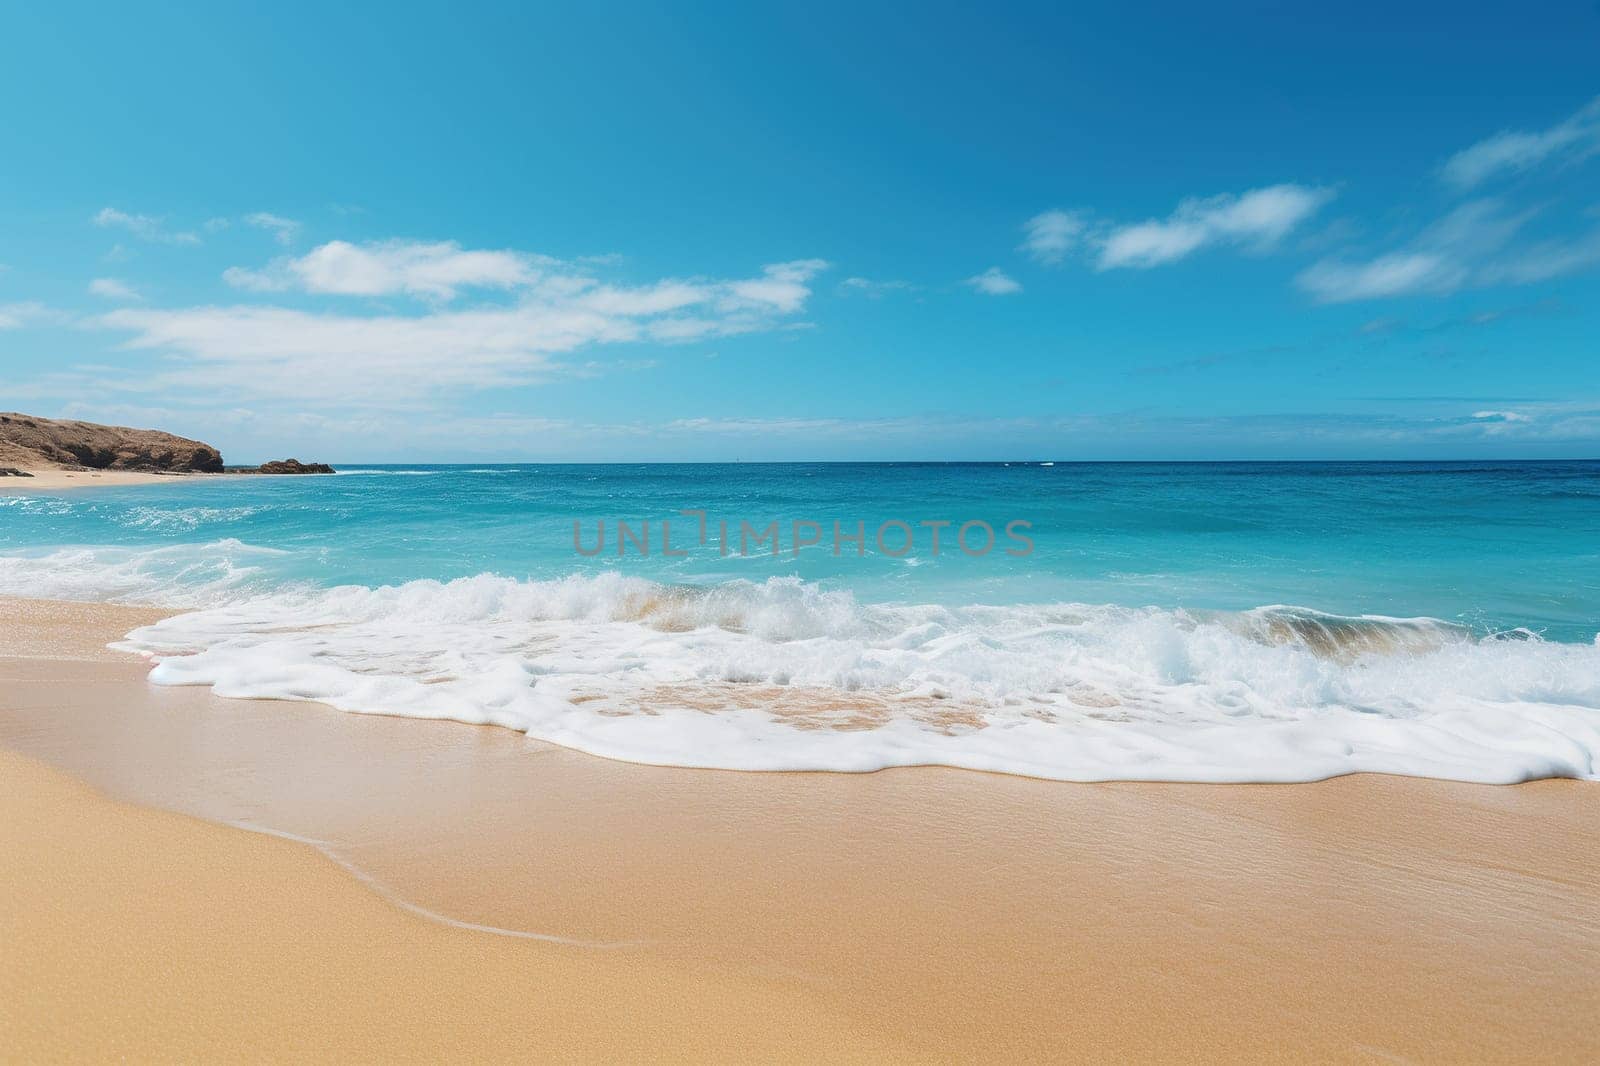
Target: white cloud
x,y
270,279
875,289
435,270
145,227
917,428
30,313
1551,422
1152,434
783,288
1387,275
1507,424
1258,218
283,230
741,426
994,282
112,289
1475,244
1545,260
1051,234
1515,150
327,359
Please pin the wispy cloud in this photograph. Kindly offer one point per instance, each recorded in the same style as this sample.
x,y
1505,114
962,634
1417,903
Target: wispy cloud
x,y
17,315
994,282
112,289
1255,219
1475,244
435,270
1434,423
1049,235
442,270
145,227
1543,260
324,359
283,230
1500,416
874,289
783,288
1392,274
1390,326
1511,151
748,426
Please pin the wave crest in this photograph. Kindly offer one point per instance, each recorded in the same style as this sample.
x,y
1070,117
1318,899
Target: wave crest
x,y
789,675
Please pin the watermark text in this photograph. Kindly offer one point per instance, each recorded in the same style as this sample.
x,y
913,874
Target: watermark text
x,y
894,537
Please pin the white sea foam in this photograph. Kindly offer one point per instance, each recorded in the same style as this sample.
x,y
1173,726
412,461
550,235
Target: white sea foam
x,y
178,575
183,519
785,675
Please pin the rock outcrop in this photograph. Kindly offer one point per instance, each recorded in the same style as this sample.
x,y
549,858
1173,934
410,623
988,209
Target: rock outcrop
x,y
293,466
26,441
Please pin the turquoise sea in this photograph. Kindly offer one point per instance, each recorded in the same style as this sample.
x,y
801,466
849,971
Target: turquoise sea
x,y
1250,621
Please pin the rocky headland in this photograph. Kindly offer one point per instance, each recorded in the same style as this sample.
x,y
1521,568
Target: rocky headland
x,y
30,444
292,466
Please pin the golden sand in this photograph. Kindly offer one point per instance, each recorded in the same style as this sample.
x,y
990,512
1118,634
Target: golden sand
x,y
140,935
924,912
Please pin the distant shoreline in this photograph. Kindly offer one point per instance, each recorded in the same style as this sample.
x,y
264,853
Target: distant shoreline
x,y
43,479
53,479
53,453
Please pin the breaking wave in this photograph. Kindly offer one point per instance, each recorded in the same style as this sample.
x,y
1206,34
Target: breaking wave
x,y
789,675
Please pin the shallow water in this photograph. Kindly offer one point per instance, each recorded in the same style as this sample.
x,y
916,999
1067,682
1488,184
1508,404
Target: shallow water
x,y
1172,622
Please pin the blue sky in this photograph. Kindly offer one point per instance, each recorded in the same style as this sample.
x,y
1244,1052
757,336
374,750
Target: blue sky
x,y
814,231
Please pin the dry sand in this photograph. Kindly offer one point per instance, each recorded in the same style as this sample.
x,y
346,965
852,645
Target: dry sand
x,y
923,912
50,479
54,479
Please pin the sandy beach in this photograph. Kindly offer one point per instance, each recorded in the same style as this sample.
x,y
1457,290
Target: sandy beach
x,y
728,534
143,935
922,913
51,479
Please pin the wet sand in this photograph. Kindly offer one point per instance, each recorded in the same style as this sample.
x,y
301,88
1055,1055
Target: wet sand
x,y
134,934
928,912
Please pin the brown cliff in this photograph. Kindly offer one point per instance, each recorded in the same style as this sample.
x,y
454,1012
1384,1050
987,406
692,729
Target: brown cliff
x,y
27,441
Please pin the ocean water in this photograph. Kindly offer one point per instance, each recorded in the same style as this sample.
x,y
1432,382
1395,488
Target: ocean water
x,y
1214,622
